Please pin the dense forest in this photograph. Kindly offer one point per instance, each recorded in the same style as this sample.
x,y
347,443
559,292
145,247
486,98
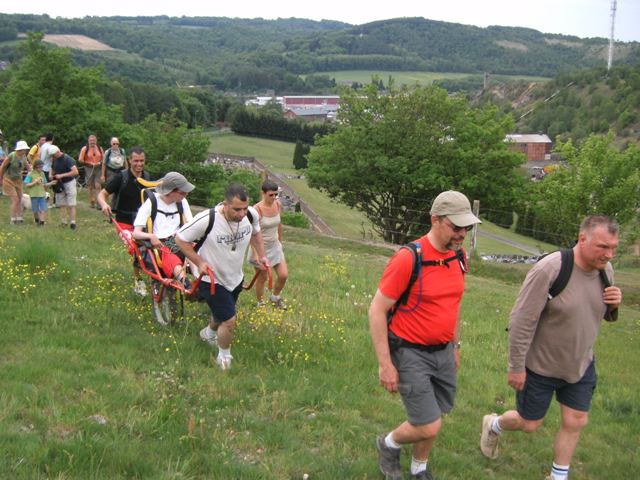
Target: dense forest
x,y
290,55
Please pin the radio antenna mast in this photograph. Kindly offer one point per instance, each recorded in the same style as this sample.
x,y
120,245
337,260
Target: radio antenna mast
x,y
611,42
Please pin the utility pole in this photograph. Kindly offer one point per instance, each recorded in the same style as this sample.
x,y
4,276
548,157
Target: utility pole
x,y
611,42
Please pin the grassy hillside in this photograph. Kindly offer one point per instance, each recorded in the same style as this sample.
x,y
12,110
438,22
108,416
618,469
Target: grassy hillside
x,y
347,222
93,388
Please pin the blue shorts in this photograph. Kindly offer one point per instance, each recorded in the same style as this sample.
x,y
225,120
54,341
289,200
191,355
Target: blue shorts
x,y
533,401
223,302
39,204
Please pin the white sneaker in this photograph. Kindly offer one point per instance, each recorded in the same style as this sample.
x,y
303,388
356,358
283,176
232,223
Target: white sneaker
x,y
224,361
489,438
210,339
140,288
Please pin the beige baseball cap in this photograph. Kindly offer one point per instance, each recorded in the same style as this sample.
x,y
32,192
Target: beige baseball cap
x,y
456,207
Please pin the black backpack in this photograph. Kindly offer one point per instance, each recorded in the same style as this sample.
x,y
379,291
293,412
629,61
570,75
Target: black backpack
x,y
561,281
416,270
126,178
566,267
212,219
148,193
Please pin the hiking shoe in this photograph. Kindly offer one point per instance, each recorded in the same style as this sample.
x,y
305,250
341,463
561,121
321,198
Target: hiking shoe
x,y
388,460
423,475
224,361
489,438
140,288
278,302
261,303
211,340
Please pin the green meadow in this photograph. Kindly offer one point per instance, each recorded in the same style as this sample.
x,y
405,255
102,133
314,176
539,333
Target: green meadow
x,y
413,78
92,388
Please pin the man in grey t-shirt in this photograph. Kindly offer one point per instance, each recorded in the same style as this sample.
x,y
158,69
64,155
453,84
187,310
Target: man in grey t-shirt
x,y
551,343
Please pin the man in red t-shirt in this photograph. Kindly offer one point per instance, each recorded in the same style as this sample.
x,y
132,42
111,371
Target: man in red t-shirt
x,y
417,349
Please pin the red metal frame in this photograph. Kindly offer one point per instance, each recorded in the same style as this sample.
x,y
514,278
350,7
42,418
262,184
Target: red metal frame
x,y
156,274
255,277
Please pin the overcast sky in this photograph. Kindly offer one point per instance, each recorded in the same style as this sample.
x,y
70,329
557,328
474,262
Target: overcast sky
x,y
583,18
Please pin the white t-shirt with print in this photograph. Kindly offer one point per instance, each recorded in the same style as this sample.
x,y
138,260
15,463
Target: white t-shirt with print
x,y
218,248
167,220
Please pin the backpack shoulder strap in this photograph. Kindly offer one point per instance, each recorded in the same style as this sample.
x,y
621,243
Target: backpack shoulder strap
x,y
566,267
416,251
212,219
605,280
180,212
416,267
147,193
250,217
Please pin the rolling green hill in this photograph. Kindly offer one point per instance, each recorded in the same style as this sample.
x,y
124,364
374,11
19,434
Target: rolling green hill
x,y
256,54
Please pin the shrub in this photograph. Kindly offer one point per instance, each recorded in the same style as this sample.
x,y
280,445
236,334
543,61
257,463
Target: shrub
x,y
295,219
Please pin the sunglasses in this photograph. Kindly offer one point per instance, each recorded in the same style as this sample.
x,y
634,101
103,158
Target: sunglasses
x,y
457,229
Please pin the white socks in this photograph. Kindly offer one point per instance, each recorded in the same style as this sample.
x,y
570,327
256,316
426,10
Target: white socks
x,y
559,472
418,466
210,333
390,442
495,426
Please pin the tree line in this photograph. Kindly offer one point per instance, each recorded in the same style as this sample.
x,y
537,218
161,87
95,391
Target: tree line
x,y
45,92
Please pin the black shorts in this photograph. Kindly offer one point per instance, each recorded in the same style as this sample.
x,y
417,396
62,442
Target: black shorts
x,y
222,303
534,399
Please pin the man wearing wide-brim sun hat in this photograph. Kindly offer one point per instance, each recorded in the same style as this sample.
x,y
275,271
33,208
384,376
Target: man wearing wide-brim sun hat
x,y
11,175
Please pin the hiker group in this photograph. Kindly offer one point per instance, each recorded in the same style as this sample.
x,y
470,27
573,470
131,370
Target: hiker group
x,y
30,175
414,317
215,240
415,328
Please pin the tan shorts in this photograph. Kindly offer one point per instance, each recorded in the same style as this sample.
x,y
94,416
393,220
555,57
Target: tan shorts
x,y
92,174
12,187
67,198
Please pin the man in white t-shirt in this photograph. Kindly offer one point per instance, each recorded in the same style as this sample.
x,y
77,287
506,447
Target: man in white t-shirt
x,y
46,154
222,236
171,212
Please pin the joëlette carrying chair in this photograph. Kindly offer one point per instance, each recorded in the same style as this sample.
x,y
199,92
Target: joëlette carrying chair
x,y
167,306
166,293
